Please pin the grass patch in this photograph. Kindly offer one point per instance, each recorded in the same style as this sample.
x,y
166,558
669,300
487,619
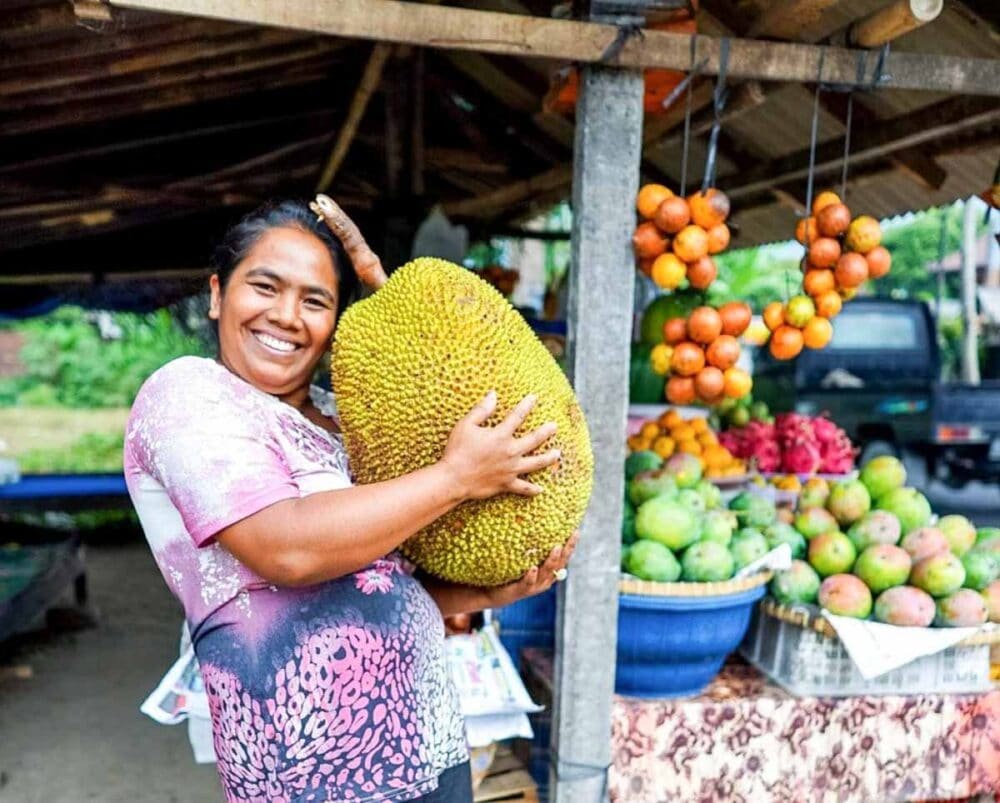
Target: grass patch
x,y
63,440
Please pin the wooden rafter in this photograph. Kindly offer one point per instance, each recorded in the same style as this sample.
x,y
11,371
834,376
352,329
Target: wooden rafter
x,y
103,71
510,34
359,103
277,49
81,112
943,119
892,21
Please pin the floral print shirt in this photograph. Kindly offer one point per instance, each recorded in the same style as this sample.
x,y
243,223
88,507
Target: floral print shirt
x,y
338,691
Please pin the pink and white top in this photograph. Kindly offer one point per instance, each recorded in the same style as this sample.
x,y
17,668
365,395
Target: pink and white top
x,y
338,691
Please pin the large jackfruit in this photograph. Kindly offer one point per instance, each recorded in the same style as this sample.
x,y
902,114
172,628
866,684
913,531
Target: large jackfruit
x,y
414,358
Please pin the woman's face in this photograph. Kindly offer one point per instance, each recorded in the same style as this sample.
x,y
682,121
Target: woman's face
x,y
278,310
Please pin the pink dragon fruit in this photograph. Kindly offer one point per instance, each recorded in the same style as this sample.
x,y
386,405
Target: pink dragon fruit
x,y
801,457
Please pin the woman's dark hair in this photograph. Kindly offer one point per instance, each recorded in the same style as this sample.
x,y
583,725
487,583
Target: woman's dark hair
x,y
241,238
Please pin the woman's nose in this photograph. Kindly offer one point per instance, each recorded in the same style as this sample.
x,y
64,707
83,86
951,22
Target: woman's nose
x,y
285,311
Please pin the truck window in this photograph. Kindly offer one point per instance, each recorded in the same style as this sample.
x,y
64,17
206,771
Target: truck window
x,y
881,330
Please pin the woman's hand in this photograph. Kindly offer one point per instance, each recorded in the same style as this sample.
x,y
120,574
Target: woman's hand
x,y
485,461
365,261
538,579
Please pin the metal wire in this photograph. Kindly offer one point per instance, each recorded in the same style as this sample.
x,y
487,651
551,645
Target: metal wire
x,y
687,116
719,97
812,138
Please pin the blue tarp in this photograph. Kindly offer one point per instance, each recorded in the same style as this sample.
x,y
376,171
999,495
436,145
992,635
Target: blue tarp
x,y
44,486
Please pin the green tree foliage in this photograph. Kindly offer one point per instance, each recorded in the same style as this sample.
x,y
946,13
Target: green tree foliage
x,y
913,245
69,364
755,275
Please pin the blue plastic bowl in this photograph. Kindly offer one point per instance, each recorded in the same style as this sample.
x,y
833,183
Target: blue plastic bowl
x,y
674,646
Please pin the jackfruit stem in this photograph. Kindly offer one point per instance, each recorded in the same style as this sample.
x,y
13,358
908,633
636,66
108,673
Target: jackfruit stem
x,y
365,261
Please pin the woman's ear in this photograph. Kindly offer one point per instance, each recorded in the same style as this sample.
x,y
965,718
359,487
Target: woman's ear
x,y
215,303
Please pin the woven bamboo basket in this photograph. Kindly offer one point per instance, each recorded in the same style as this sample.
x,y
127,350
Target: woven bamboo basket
x,y
809,617
633,585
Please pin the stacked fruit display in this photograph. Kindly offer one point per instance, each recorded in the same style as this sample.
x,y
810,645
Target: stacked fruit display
x,y
675,527
794,443
841,255
868,548
658,440
674,243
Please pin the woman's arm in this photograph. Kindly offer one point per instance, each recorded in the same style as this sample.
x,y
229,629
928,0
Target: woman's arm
x,y
298,542
452,598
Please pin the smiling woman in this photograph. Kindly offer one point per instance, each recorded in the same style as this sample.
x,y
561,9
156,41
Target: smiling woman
x,y
321,650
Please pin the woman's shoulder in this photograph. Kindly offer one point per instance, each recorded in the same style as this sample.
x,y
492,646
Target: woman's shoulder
x,y
191,385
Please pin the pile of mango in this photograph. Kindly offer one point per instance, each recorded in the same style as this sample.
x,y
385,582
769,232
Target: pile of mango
x,y
872,547
672,434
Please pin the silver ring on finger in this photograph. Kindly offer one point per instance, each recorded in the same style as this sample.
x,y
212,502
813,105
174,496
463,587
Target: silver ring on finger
x,y
560,575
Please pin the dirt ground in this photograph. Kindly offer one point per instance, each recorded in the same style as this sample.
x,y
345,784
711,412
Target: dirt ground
x,y
72,731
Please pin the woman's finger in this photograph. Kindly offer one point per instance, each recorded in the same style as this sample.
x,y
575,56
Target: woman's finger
x,y
539,461
479,414
516,416
535,438
524,488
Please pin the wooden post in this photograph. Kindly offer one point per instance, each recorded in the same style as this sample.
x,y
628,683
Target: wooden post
x,y
605,181
888,23
970,334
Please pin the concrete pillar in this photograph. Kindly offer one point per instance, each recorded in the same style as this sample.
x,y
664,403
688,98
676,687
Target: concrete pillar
x,y
602,278
970,318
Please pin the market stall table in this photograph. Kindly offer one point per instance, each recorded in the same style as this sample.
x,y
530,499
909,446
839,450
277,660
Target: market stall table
x,y
745,739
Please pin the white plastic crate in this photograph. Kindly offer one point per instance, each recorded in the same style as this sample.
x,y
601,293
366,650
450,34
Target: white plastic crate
x,y
807,663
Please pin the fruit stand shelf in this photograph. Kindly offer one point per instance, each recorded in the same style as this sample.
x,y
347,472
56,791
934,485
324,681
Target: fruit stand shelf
x,y
745,738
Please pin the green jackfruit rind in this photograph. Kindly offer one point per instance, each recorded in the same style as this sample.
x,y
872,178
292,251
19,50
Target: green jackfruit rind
x,y
414,358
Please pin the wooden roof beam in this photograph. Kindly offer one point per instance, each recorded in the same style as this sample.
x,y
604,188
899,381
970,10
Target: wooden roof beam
x,y
572,40
148,100
278,49
943,119
76,50
103,71
369,82
892,21
32,21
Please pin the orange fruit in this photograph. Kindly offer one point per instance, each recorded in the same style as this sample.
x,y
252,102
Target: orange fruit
x,y
685,432
680,390
737,383
852,270
649,430
699,425
659,358
817,281
702,273
688,359
718,238
709,383
664,446
735,318
863,234
671,419
817,333
716,456
649,242
723,352
774,315
649,199
847,293
828,304
709,208
674,330
786,343
799,311
806,231
690,447
667,271
824,252
704,325
645,266
833,220
691,243
879,261
672,215
823,200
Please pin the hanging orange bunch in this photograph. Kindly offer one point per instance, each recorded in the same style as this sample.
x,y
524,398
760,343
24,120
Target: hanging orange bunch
x,y
675,241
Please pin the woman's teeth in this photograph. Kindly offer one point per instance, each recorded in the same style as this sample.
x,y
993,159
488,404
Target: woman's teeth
x,y
274,343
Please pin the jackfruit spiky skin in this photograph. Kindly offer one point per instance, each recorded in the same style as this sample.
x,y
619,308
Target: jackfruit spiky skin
x,y
413,359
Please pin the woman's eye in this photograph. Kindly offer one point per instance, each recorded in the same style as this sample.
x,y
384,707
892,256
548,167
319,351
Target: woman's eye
x,y
316,303
264,287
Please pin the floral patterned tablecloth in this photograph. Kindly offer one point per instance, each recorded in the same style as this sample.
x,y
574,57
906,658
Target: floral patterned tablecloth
x,y
745,740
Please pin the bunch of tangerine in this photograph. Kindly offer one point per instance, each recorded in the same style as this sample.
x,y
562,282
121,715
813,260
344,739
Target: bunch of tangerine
x,y
677,237
671,433
841,255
